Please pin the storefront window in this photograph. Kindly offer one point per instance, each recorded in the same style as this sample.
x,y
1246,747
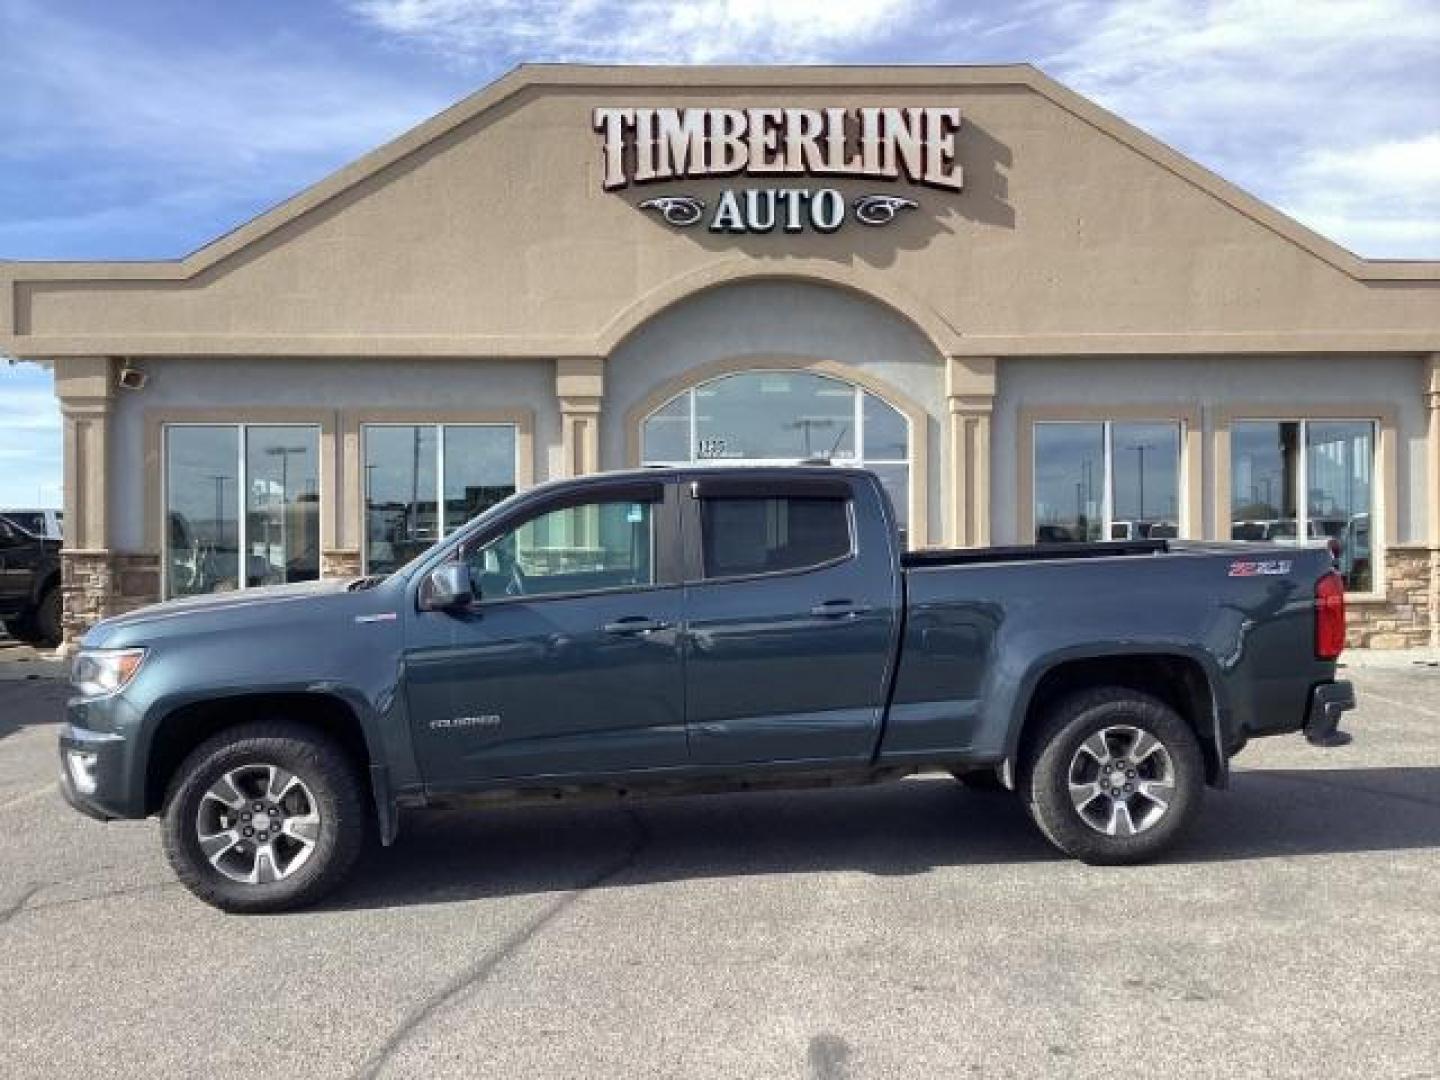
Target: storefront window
x,y
1106,480
240,488
1268,473
782,417
413,470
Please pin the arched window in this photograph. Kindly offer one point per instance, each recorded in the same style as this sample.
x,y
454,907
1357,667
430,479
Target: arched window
x,y
781,418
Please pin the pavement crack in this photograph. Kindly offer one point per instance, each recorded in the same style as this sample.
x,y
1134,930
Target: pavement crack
x,y
109,894
18,905
479,972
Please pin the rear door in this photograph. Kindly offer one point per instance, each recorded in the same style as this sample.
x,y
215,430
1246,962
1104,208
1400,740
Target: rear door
x,y
792,609
569,660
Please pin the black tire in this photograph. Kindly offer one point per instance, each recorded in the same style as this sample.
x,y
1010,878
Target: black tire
x,y
45,621
325,770
1045,778
18,628
979,779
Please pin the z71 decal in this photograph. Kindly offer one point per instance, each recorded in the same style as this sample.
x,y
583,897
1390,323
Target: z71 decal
x,y
1263,568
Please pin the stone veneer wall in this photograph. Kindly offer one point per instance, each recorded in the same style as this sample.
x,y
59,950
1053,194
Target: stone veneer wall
x,y
1403,619
340,562
97,584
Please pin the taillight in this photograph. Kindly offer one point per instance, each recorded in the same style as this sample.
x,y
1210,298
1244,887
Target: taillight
x,y
1329,616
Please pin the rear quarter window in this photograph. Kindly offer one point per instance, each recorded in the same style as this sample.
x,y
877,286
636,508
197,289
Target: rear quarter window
x,y
775,535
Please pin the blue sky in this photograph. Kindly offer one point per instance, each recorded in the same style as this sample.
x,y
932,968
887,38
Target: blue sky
x,y
144,129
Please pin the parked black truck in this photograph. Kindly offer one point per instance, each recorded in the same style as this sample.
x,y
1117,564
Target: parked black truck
x,y
29,583
679,631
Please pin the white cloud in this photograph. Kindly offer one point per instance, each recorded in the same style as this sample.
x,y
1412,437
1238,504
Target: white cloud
x,y
203,108
643,31
1327,109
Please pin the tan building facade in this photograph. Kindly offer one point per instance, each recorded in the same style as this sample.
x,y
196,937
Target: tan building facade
x,y
1035,322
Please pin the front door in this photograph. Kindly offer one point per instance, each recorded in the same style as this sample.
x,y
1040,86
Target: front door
x,y
792,610
568,661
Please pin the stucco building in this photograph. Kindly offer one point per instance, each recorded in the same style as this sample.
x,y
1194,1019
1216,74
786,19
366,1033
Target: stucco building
x,y
1032,319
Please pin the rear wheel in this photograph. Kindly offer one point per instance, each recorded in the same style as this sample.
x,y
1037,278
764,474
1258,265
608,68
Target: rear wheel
x,y
1116,776
264,817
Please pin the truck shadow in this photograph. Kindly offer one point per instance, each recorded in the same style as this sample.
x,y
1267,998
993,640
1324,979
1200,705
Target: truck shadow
x,y
890,830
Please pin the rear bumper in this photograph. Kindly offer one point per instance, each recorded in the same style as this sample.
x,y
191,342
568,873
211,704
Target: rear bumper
x,y
1328,702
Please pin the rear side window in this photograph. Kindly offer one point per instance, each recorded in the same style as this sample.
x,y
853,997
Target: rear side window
x,y
767,536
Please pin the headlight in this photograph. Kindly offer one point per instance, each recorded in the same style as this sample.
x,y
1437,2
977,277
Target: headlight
x,y
97,672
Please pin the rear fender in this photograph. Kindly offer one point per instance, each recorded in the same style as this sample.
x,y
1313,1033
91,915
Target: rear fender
x,y
1213,730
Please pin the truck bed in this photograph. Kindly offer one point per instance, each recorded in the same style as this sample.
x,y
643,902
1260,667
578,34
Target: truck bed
x,y
932,557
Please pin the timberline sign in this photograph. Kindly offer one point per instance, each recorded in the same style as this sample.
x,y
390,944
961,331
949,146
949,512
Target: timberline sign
x,y
652,145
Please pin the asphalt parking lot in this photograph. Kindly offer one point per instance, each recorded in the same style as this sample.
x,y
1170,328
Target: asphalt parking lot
x,y
910,930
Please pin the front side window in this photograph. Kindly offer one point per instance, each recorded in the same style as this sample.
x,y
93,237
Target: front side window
x,y
242,506
587,548
422,481
1307,483
781,417
1106,480
766,536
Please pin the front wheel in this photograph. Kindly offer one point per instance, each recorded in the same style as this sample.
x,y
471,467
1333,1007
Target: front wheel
x,y
1116,776
264,817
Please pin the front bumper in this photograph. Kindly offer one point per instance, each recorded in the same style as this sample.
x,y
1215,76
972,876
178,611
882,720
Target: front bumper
x,y
114,793
1328,702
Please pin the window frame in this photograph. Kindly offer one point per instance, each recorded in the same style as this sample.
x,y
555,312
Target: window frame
x,y
1383,484
1187,473
363,426
694,528
241,427
664,533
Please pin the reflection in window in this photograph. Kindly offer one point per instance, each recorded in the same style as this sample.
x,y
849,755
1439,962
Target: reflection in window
x,y
766,536
607,545
1106,480
1268,472
412,470
282,505
783,417
233,489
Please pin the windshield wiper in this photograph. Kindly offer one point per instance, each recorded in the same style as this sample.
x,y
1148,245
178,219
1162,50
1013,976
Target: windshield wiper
x,y
368,582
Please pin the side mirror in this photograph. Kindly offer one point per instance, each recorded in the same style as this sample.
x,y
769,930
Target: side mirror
x,y
448,587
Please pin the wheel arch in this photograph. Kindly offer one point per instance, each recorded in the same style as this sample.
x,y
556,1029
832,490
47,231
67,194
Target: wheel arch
x,y
185,725
1185,679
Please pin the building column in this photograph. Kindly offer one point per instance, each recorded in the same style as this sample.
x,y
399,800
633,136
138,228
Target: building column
x,y
579,386
86,389
1432,489
970,394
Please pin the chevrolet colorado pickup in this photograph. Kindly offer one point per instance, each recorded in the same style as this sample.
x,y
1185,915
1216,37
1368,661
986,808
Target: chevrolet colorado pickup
x,y
695,630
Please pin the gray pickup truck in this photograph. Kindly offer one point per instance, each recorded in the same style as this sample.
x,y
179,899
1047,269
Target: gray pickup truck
x,y
684,631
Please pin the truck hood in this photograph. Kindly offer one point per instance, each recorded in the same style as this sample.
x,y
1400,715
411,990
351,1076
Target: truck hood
x,y
197,613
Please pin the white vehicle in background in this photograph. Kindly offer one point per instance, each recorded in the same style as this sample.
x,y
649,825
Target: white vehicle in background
x,y
42,523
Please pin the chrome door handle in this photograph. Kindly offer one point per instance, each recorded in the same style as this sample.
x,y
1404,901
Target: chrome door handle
x,y
635,624
838,609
